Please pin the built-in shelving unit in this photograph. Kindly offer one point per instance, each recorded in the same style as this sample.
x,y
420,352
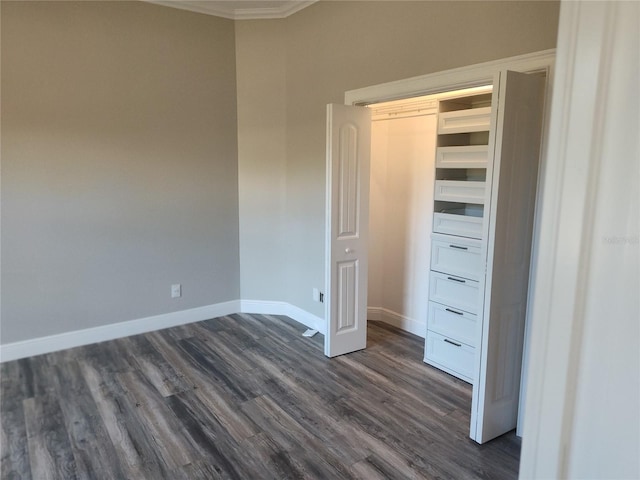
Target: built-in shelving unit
x,y
461,191
486,165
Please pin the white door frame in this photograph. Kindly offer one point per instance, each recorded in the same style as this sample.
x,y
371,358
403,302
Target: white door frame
x,y
583,418
467,77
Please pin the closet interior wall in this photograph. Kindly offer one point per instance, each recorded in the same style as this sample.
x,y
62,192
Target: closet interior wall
x,y
401,202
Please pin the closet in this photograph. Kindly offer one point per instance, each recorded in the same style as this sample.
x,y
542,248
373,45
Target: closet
x,y
449,249
403,144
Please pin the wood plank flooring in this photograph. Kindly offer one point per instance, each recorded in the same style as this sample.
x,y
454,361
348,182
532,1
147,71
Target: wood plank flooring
x,y
241,397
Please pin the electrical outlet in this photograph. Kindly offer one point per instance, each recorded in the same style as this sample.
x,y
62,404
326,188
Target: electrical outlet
x,y
321,297
176,290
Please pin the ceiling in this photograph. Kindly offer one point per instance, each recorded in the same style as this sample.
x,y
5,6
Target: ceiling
x,y
239,9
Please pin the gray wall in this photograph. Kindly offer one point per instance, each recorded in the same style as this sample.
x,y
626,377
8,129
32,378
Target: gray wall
x,y
122,146
260,63
331,47
119,164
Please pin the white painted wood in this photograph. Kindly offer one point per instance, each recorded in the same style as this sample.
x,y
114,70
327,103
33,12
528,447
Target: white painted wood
x,y
268,307
467,156
239,9
456,324
450,80
453,291
464,121
348,157
457,256
582,418
460,191
449,355
515,166
461,225
78,338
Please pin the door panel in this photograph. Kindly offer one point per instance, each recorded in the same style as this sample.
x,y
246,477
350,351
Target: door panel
x,y
515,169
347,211
347,298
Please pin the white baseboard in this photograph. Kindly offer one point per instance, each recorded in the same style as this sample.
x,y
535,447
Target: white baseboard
x,y
77,338
397,320
266,307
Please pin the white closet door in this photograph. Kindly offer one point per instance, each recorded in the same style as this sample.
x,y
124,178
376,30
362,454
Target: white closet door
x,y
515,169
348,165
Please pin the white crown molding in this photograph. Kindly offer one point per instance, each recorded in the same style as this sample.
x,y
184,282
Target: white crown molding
x,y
226,9
282,11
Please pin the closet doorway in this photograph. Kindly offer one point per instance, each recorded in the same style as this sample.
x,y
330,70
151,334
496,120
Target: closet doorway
x,y
345,295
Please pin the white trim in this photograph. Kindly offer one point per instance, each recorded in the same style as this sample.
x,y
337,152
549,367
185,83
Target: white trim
x,y
454,79
226,9
586,120
266,307
397,320
87,336
282,11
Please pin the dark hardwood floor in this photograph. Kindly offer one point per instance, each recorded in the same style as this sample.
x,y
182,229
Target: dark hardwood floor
x,y
241,397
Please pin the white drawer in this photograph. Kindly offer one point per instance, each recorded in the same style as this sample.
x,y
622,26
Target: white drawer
x,y
456,292
461,225
453,357
455,324
456,256
463,121
469,156
460,191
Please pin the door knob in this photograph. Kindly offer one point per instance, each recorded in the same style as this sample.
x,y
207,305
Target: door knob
x,y
348,250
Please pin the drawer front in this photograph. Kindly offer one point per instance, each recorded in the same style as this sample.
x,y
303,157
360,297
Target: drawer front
x,y
455,324
470,156
461,225
463,121
453,357
458,257
460,191
456,292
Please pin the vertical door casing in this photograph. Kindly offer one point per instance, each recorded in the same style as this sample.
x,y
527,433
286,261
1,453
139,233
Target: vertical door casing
x,y
514,176
347,226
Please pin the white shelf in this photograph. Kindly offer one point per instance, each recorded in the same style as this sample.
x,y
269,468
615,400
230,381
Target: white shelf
x,y
467,156
464,121
460,191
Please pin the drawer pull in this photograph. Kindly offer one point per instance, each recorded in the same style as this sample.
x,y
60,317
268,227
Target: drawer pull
x,y
453,311
459,247
452,343
456,279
